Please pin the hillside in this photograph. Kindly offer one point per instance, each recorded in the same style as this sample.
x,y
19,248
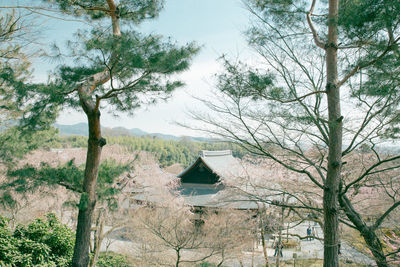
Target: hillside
x,y
82,129
168,152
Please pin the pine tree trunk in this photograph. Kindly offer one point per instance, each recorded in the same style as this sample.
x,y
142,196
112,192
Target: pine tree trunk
x,y
98,238
95,144
88,197
331,190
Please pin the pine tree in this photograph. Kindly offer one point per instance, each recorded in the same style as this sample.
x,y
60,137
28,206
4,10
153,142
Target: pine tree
x,y
114,67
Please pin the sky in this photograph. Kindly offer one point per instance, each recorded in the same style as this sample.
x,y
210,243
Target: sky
x,y
216,25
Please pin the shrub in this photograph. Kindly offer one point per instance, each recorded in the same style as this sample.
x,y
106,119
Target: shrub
x,y
42,242
112,259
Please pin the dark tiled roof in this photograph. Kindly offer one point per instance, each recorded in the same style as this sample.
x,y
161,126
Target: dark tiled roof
x,y
221,163
225,166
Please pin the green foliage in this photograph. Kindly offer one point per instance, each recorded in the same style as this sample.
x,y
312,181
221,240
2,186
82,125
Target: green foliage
x,y
373,26
74,141
285,13
14,143
134,11
40,243
8,244
370,26
296,40
69,175
29,178
109,172
368,38
17,136
139,68
239,81
137,65
8,201
112,259
111,64
362,20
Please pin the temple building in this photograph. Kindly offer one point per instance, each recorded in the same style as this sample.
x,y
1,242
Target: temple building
x,y
202,184
205,184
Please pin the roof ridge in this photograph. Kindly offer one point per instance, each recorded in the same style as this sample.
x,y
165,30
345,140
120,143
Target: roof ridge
x,y
214,153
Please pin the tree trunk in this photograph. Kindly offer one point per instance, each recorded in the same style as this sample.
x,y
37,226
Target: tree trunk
x,y
287,233
278,255
264,245
367,232
331,189
95,144
88,197
98,238
375,246
222,259
261,213
178,258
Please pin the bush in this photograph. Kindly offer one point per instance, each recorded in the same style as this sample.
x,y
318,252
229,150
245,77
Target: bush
x,y
42,242
112,259
8,244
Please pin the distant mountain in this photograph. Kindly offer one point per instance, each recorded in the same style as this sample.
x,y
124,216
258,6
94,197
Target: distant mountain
x,y
82,129
138,132
74,129
116,131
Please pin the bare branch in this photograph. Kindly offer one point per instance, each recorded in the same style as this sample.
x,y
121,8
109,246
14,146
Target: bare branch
x,y
380,220
38,11
369,171
317,40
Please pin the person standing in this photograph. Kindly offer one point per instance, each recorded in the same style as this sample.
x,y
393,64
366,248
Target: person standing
x,y
309,233
278,247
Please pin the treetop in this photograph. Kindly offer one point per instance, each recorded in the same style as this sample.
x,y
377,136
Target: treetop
x,y
133,11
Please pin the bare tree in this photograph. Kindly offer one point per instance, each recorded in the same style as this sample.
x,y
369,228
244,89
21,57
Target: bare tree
x,y
165,230
230,232
289,107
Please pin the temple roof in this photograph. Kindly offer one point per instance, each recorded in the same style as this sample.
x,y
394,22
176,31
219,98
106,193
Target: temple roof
x,y
201,190
221,163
